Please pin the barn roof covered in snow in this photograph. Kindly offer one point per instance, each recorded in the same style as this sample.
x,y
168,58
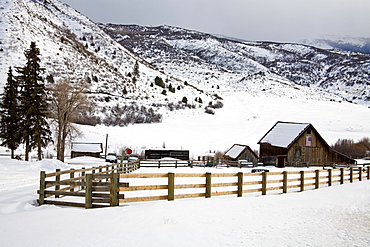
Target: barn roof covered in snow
x,y
237,150
87,147
282,134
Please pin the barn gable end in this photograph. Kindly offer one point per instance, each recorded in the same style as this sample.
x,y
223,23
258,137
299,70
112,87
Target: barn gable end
x,y
241,152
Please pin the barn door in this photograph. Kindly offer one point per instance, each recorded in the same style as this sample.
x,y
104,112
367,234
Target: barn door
x,y
297,155
281,161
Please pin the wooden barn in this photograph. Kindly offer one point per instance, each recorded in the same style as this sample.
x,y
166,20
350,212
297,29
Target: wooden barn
x,y
297,144
241,152
86,149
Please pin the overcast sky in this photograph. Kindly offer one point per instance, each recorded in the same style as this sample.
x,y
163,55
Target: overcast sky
x,y
267,20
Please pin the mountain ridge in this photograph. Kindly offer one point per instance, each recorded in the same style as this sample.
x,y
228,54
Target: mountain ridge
x,y
342,72
196,66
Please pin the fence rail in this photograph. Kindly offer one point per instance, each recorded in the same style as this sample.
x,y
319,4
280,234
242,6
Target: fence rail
x,y
261,182
112,185
95,184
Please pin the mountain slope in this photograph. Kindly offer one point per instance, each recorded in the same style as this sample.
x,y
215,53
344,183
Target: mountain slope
x,y
346,43
122,63
73,47
175,50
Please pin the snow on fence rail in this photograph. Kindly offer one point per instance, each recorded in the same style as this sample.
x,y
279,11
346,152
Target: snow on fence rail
x,y
170,186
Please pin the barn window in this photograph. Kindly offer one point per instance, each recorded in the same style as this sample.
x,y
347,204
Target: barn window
x,y
308,132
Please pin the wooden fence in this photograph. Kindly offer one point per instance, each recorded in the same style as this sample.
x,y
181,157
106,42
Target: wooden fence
x,y
123,187
193,163
96,185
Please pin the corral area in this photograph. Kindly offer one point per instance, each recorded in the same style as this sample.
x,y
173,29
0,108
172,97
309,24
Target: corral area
x,y
336,216
116,184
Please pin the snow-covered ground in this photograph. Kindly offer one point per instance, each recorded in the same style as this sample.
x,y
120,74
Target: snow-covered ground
x,y
244,119
335,216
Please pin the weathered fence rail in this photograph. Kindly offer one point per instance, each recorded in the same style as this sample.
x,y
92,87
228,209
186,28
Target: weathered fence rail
x,y
96,185
120,186
242,183
194,163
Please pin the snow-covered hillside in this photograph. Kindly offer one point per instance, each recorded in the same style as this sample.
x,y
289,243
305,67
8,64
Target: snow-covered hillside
x,y
346,43
228,63
201,67
244,119
198,66
73,47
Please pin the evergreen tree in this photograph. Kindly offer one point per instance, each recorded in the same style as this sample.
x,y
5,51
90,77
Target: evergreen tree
x,y
10,117
34,127
159,82
136,69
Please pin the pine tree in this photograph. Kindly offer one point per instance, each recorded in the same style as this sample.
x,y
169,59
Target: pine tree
x,y
136,69
34,127
10,117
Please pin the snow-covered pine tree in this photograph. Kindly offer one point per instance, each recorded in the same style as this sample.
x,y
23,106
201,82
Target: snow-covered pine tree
x,y
10,117
34,127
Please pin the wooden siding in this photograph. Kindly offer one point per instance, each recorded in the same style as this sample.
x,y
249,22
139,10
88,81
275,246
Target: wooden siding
x,y
316,153
247,155
159,154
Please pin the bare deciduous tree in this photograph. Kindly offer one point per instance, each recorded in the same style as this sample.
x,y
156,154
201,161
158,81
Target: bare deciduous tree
x,y
68,102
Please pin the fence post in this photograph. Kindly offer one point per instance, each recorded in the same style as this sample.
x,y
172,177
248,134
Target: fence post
x,y
351,175
57,179
88,191
302,180
368,172
83,178
175,163
360,174
341,175
208,184
264,183
330,176
72,175
240,184
114,189
42,188
159,164
171,186
317,179
285,181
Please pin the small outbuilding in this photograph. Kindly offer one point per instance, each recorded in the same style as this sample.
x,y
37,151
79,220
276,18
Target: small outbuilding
x,y
297,144
86,149
241,152
164,153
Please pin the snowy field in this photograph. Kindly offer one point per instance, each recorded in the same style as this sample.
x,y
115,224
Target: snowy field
x,y
335,216
242,120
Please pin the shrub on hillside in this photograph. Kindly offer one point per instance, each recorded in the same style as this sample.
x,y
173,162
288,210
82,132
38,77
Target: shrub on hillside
x,y
159,82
